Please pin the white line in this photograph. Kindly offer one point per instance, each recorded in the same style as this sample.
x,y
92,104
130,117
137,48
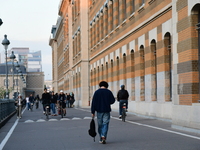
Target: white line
x,y
8,135
157,128
3,143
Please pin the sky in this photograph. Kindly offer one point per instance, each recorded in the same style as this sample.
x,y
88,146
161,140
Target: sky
x,y
27,23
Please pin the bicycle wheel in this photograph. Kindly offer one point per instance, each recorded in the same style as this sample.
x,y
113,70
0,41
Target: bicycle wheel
x,y
47,113
61,112
123,115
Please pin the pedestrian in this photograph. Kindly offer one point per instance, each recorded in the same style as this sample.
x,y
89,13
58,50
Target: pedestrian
x,y
19,106
122,97
31,101
53,103
101,101
27,102
68,100
72,99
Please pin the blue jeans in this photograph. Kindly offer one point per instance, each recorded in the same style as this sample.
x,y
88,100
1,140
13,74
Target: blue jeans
x,y
121,102
28,105
103,120
52,106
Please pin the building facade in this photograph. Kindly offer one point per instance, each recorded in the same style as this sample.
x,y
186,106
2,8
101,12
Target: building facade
x,y
151,46
15,82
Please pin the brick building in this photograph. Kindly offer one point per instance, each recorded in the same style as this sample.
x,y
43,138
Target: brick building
x,y
151,46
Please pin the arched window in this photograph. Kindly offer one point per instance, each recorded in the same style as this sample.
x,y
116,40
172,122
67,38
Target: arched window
x,y
153,50
142,73
124,68
167,44
132,75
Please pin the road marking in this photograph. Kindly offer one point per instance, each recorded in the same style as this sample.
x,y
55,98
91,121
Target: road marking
x,y
157,128
75,118
28,121
64,119
3,143
87,118
53,119
41,120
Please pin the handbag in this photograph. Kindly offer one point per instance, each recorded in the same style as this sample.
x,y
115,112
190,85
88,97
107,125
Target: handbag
x,y
92,130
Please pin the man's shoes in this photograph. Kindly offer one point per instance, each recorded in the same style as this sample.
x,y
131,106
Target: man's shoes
x,y
120,116
103,140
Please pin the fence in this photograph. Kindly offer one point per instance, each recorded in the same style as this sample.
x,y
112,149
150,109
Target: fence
x,y
7,109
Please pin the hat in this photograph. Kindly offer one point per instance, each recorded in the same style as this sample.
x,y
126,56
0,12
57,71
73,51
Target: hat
x,y
61,91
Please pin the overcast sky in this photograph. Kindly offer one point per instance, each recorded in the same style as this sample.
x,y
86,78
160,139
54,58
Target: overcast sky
x,y
28,23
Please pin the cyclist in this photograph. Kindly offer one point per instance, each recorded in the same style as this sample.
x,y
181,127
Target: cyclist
x,y
62,101
122,97
46,100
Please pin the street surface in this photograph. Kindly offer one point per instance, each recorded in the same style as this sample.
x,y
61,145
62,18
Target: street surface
x,y
34,132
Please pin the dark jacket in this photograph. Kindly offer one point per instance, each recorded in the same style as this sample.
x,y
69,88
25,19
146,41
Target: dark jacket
x,y
46,98
101,101
62,97
53,99
31,99
122,95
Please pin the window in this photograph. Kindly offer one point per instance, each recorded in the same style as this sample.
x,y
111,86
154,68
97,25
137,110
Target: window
x,y
5,82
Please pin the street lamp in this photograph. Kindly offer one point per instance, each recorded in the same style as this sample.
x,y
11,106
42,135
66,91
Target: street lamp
x,y
1,22
17,66
12,56
5,43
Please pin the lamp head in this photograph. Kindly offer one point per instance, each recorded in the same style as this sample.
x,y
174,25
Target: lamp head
x,y
5,42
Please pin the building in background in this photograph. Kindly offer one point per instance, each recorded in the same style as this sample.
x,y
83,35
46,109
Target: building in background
x,y
151,46
32,63
15,82
32,60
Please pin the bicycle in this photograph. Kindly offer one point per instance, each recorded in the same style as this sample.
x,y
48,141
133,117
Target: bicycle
x,y
61,109
123,112
47,111
31,107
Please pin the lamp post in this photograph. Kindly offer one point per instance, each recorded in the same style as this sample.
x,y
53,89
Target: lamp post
x,y
20,73
17,68
1,22
12,56
5,43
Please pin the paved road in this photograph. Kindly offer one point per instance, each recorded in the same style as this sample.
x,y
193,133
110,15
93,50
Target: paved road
x,y
34,132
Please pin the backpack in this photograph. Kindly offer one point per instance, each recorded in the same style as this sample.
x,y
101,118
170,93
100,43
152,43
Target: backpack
x,y
92,130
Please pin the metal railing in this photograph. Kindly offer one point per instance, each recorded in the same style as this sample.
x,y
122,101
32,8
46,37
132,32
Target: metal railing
x,y
7,108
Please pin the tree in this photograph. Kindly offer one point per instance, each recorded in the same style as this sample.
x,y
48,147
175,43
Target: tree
x,y
3,92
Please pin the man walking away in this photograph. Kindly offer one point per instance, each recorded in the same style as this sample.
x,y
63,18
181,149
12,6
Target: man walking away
x,y
101,101
122,97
